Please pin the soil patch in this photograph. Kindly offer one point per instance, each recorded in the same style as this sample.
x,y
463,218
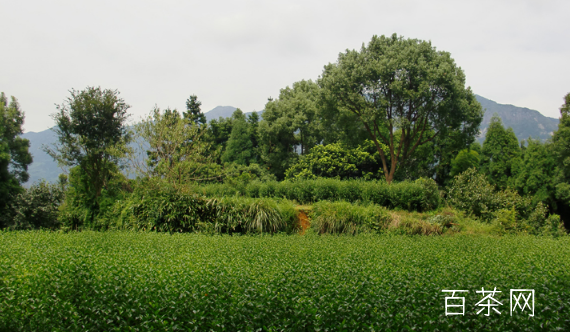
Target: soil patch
x,y
303,222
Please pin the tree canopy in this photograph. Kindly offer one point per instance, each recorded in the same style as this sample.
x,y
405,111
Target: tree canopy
x,y
14,154
193,112
561,142
406,86
501,152
92,134
239,148
176,149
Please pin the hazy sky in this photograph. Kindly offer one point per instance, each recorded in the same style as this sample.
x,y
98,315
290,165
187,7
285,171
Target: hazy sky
x,y
239,53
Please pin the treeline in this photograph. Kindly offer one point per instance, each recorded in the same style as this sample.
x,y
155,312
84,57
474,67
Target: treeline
x,y
396,129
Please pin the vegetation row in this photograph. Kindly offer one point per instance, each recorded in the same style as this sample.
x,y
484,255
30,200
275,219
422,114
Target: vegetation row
x,y
419,195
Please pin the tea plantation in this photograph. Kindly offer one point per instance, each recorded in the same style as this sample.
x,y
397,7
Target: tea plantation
x,y
126,281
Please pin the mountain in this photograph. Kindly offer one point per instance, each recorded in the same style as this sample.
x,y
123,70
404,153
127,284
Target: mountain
x,y
525,122
43,166
225,112
220,111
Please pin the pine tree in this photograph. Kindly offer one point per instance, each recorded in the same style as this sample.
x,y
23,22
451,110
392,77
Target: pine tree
x,y
14,154
193,112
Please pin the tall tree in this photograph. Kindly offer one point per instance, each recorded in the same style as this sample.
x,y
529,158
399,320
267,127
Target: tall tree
x,y
253,129
561,147
176,149
14,154
290,125
239,148
396,84
535,174
193,112
465,159
92,134
277,140
501,152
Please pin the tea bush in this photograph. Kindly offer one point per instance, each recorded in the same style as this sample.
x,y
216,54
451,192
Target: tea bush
x,y
135,281
419,195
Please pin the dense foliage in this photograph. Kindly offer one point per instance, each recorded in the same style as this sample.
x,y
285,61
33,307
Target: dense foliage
x,y
419,195
140,282
37,207
333,161
92,136
405,93
14,155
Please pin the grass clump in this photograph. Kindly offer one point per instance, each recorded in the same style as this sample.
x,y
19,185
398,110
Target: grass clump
x,y
170,210
348,218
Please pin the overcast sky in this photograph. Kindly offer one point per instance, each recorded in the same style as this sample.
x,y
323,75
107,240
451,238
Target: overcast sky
x,y
239,53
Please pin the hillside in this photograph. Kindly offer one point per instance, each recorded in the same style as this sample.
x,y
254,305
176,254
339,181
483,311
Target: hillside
x,y
525,122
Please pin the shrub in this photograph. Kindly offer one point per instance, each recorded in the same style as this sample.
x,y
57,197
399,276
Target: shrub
x,y
37,206
347,218
127,281
471,192
420,195
231,214
166,209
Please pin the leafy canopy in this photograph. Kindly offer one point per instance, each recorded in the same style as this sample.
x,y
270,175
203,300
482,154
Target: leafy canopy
x,y
175,148
501,152
406,85
331,161
14,154
92,134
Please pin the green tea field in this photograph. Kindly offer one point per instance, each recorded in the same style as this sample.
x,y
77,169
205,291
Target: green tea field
x,y
123,281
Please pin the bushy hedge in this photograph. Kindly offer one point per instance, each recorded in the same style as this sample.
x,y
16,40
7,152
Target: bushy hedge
x,y
419,195
169,210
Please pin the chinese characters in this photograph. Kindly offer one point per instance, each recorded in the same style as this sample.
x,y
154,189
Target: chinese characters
x,y
521,299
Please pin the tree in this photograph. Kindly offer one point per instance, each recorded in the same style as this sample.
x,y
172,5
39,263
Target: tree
x,y
465,159
561,148
92,135
253,129
535,174
193,112
239,148
14,154
332,160
402,85
176,149
501,152
290,126
217,135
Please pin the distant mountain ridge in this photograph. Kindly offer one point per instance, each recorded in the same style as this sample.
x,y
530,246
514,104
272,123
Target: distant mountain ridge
x,y
525,122
224,112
